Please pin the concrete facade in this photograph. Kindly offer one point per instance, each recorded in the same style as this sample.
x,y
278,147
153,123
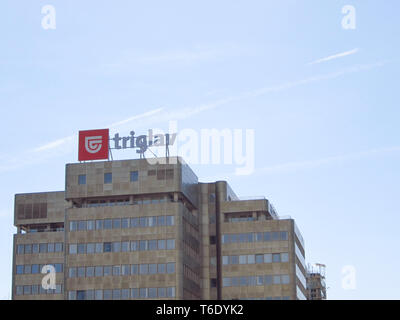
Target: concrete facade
x,y
133,230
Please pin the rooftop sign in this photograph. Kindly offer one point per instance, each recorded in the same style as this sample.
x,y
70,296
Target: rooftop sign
x,y
95,144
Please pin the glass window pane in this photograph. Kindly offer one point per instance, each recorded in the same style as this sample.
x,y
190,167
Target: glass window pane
x,y
90,225
161,244
170,244
107,224
267,258
108,177
144,269
251,259
285,257
170,267
116,223
152,268
276,257
99,224
161,268
125,223
98,271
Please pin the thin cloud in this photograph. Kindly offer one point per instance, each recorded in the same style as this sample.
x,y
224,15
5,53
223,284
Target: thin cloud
x,y
67,144
63,141
311,164
335,56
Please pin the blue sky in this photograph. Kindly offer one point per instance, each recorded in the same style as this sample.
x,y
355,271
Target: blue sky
x,y
323,102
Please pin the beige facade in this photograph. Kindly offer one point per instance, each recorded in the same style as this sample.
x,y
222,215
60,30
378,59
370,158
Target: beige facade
x,y
134,230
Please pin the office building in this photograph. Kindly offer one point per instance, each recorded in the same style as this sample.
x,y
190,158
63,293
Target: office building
x,y
129,229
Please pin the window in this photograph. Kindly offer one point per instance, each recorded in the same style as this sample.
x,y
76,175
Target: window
x,y
125,223
125,246
73,249
143,222
234,260
72,272
284,235
251,259
81,272
35,248
58,267
161,244
162,292
285,257
107,224
116,223
107,270
213,283
98,271
99,247
268,258
82,179
116,270
213,240
108,177
134,222
285,279
90,248
260,280
276,257
135,293
59,247
170,220
170,244
72,295
125,270
19,290
144,269
143,293
134,176
42,248
80,295
152,268
267,236
90,225
152,244
107,247
116,247
171,292
276,236
226,282
107,294
27,269
20,249
90,272
35,268
27,290
134,245
20,269
276,279
161,268
242,259
99,224
98,295
125,294
143,245
161,221
225,260
268,280
170,267
81,248
259,258
134,269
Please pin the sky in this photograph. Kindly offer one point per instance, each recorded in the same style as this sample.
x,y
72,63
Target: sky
x,y
323,101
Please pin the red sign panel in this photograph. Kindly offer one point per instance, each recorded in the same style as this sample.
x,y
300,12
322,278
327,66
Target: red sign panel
x,y
93,145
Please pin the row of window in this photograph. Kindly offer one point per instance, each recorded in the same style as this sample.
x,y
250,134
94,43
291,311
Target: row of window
x,y
126,201
256,258
40,248
245,281
121,223
37,268
134,176
255,237
37,289
122,294
124,246
122,270
269,298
